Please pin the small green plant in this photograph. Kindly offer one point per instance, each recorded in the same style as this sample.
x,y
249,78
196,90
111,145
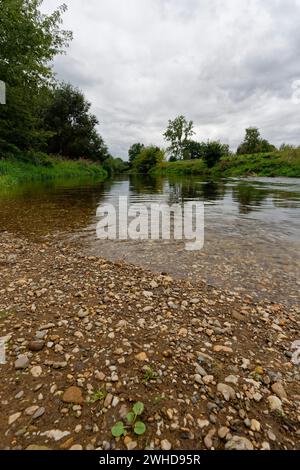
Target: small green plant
x,y
149,375
138,427
98,395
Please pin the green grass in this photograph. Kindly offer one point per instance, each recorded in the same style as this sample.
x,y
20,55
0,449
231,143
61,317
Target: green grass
x,y
14,171
279,163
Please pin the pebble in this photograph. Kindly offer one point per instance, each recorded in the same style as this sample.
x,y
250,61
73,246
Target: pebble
x,y
239,443
36,345
22,362
14,418
73,395
227,391
36,371
165,445
279,390
275,403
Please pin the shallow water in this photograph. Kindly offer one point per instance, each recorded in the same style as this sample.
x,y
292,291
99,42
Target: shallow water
x,y
252,228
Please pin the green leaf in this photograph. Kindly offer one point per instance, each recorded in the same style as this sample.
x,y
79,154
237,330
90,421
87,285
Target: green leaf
x,y
130,417
118,429
139,428
138,408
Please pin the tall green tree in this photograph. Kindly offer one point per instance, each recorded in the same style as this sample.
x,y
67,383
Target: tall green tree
x,y
134,151
148,158
29,40
178,134
253,143
73,127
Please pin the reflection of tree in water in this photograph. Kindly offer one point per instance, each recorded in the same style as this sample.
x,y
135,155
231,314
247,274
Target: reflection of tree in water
x,y
195,189
248,196
142,184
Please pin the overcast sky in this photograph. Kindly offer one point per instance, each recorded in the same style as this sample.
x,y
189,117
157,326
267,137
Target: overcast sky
x,y
225,64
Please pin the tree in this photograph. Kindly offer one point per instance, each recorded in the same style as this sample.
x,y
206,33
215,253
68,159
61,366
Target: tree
x,y
148,158
253,143
196,150
29,41
134,151
73,127
214,151
178,134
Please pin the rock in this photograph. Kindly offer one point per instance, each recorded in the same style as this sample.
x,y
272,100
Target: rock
x,y
142,356
239,443
183,332
22,362
223,431
31,410
73,395
165,445
55,434
278,389
208,439
224,349
198,379
14,418
38,413
208,379
275,403
232,379
36,345
238,316
227,391
36,371
199,370
255,425
37,447
76,447
202,423
108,399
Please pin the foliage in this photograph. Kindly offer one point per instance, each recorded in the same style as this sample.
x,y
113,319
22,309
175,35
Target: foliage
x,y
253,143
115,166
98,395
149,375
213,152
138,427
72,126
196,150
40,167
147,159
178,134
134,151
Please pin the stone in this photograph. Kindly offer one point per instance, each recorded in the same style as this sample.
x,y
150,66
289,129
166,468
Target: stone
x,y
108,399
36,371
165,445
275,403
55,434
255,425
224,349
278,389
222,432
232,379
22,362
38,413
227,391
202,423
73,395
76,447
208,439
239,443
14,418
31,410
142,356
37,447
36,345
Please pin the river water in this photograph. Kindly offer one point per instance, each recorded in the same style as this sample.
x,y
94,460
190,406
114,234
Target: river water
x,y
252,228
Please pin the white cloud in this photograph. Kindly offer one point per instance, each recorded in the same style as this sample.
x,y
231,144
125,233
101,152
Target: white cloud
x,y
224,64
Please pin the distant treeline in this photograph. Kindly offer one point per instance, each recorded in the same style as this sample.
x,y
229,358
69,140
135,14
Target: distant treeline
x,y
182,147
42,116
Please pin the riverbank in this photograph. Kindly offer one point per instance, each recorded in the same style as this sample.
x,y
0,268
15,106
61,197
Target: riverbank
x,y
14,171
87,338
281,163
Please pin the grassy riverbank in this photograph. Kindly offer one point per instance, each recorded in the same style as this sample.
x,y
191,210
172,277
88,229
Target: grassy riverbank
x,y
280,163
14,171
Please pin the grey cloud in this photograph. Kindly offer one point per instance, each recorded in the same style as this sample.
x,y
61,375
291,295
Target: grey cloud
x,y
226,65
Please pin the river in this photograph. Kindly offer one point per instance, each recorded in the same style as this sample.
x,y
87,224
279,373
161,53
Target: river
x,y
252,228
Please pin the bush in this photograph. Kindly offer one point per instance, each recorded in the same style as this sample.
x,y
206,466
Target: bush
x,y
148,158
